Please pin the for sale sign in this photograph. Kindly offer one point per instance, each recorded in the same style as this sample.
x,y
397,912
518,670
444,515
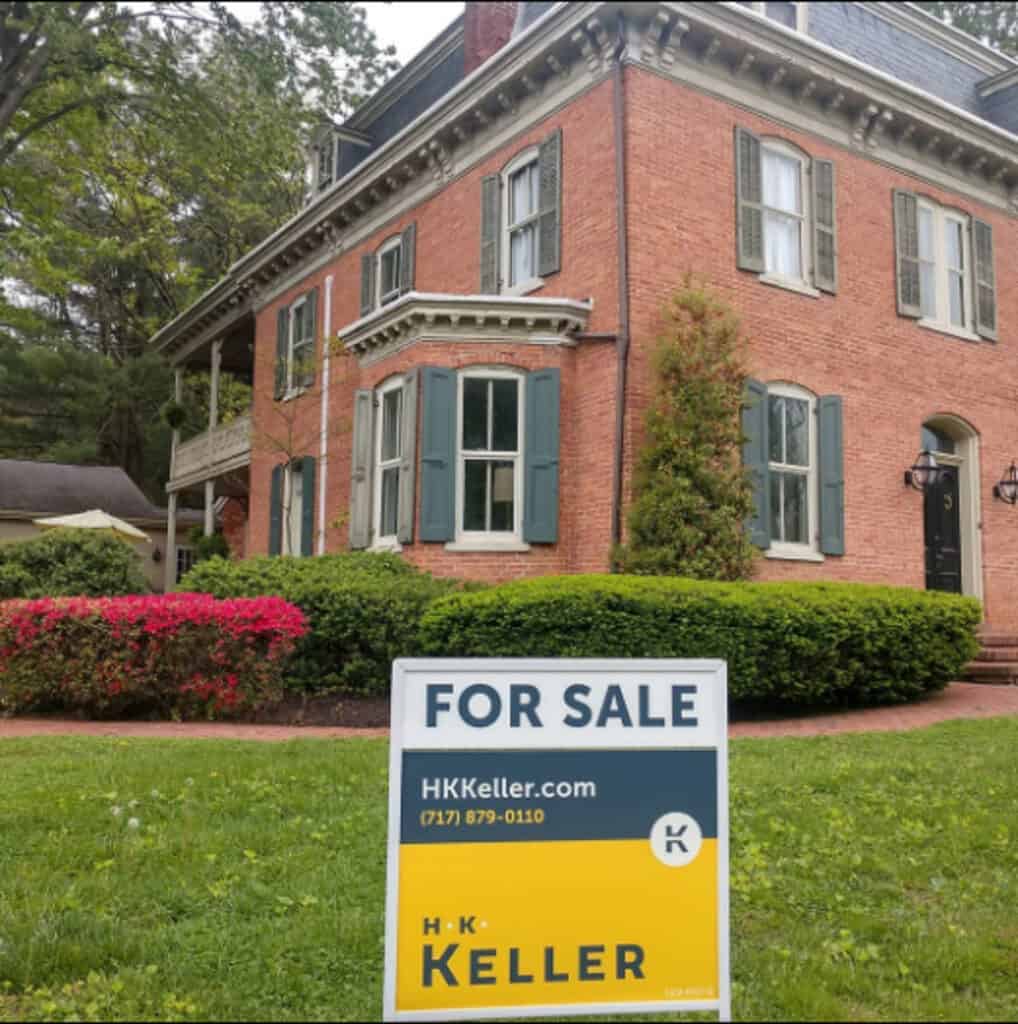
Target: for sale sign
x,y
558,838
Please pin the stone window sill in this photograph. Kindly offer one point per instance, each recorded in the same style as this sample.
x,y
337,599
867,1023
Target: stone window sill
x,y
389,544
524,287
789,284
507,546
793,554
951,332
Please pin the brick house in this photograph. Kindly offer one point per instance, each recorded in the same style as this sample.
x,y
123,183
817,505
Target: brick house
x,y
491,239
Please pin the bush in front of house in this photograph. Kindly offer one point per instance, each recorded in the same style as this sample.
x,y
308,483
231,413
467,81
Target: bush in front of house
x,y
363,610
182,655
785,643
70,563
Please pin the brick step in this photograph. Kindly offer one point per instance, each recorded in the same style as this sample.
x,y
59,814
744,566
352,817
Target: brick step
x,y
991,672
989,639
998,654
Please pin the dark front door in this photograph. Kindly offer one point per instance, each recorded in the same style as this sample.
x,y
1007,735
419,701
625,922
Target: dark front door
x,y
943,532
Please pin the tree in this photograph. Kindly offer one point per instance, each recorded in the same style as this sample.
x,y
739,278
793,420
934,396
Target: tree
x,y
692,495
994,23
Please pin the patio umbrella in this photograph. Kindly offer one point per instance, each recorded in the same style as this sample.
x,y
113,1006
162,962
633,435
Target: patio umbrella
x,y
95,519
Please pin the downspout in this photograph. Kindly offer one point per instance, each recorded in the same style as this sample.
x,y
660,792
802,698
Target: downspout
x,y
323,438
622,257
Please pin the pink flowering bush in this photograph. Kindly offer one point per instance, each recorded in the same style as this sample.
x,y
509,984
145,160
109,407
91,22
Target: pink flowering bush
x,y
185,655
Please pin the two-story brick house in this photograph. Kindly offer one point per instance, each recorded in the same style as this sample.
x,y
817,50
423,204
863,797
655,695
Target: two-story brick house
x,y
492,239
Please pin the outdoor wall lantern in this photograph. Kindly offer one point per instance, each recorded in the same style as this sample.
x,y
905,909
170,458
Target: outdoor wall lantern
x,y
1007,489
157,555
923,472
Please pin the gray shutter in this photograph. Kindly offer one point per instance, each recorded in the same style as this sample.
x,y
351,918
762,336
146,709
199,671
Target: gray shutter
x,y
360,485
309,353
825,230
367,283
276,511
832,476
984,287
282,341
755,452
438,455
549,222
749,231
307,512
541,458
491,216
407,260
906,247
408,460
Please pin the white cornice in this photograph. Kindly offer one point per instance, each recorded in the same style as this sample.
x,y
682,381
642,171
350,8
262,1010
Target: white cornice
x,y
950,39
425,316
1005,80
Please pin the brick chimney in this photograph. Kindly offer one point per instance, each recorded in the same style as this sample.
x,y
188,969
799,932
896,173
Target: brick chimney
x,y
486,29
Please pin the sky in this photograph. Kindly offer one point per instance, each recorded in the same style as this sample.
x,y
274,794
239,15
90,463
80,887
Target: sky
x,y
409,26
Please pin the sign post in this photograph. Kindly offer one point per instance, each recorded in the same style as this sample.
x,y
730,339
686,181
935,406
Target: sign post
x,y
558,838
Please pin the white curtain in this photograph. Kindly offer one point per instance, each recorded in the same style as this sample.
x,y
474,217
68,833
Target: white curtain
x,y
782,191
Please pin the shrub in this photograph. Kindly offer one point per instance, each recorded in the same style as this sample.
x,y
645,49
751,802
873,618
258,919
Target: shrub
x,y
213,546
785,643
363,610
179,654
693,495
70,563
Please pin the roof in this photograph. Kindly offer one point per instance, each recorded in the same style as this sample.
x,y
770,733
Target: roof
x,y
55,488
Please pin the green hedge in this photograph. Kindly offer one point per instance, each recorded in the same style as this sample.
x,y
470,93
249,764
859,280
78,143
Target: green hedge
x,y
363,610
70,563
785,643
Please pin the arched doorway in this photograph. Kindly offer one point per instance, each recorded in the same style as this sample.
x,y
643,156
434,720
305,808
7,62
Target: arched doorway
x,y
951,517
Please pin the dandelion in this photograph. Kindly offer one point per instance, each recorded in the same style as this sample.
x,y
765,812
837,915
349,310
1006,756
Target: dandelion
x,y
188,782
116,810
133,823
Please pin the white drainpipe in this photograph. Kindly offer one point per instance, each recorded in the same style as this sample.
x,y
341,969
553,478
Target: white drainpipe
x,y
323,459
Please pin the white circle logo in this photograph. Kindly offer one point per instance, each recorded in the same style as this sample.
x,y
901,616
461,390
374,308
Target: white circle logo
x,y
676,839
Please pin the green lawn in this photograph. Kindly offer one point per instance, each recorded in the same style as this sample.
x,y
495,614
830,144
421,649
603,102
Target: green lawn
x,y
873,877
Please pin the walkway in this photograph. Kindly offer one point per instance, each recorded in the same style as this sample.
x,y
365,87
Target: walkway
x,y
959,700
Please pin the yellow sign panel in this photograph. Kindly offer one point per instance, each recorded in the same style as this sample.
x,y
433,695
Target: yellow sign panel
x,y
555,866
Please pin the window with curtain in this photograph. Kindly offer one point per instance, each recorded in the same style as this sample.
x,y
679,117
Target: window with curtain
x,y
390,431
943,267
784,211
792,466
490,428
293,509
522,227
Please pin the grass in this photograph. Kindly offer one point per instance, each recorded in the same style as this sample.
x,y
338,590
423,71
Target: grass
x,y
873,877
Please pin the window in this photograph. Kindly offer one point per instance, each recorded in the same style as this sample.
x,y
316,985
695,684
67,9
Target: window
x,y
943,267
792,464
389,267
791,15
185,561
934,440
326,163
293,508
784,213
389,454
295,346
522,224
489,471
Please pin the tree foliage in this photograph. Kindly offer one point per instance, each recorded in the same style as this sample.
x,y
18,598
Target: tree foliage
x,y
692,495
993,23
143,151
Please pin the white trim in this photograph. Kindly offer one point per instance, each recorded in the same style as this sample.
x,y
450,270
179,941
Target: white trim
x,y
393,384
1005,80
489,539
810,551
942,216
520,162
966,457
788,151
323,438
393,243
487,545
789,284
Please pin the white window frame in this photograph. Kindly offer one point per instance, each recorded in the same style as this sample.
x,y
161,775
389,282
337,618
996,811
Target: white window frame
x,y
180,550
801,14
484,540
941,321
293,313
388,541
809,552
804,283
517,164
294,468
384,298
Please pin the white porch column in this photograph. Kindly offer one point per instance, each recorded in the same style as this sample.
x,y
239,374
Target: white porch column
x,y
170,557
178,392
210,497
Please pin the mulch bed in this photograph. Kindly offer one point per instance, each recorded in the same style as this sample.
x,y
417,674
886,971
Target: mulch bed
x,y
341,709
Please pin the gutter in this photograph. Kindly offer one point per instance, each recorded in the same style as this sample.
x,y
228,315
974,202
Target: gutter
x,y
622,257
323,440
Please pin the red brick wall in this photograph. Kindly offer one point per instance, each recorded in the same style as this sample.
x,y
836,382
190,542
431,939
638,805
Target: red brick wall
x,y
448,260
891,373
486,29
